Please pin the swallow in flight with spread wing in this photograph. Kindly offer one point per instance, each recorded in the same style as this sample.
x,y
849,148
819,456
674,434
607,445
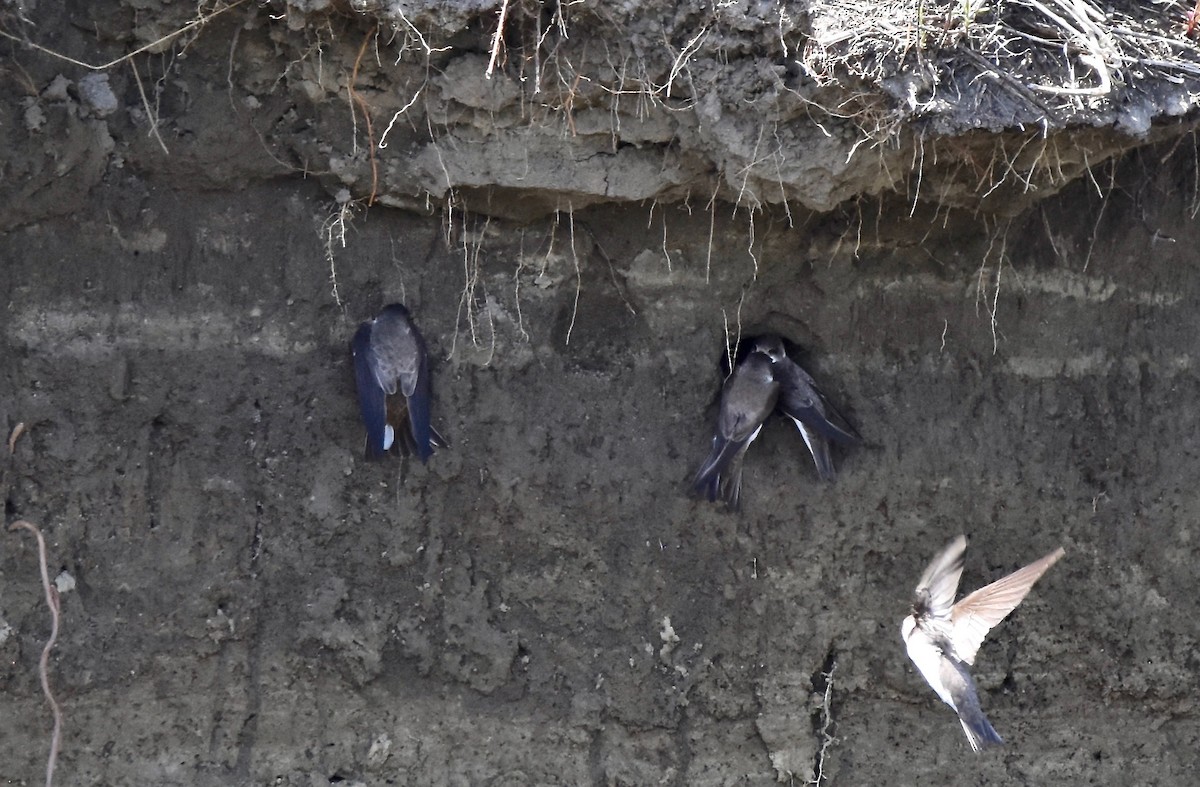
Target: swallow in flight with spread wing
x,y
942,636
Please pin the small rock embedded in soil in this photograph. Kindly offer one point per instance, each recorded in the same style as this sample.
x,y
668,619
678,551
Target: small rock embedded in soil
x,y
97,94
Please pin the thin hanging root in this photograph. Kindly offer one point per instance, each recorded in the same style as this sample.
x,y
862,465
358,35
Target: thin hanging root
x,y
578,273
497,40
334,231
17,431
827,738
199,21
44,662
361,103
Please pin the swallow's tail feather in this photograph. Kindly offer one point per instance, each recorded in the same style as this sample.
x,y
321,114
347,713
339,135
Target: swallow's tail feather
x,y
837,433
707,481
818,446
405,442
964,698
980,733
731,484
707,484
849,435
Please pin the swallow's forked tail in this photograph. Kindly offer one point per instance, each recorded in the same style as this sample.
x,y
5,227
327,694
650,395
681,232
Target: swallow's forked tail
x,y
980,733
818,446
720,477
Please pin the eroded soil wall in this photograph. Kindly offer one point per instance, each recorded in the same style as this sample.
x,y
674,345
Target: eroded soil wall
x,y
544,603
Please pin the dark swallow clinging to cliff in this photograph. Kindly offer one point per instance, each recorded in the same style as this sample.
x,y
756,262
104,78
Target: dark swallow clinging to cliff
x,y
747,398
390,356
801,401
942,637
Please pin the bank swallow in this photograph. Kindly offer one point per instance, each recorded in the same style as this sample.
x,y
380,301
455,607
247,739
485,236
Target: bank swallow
x,y
801,401
747,399
942,637
390,356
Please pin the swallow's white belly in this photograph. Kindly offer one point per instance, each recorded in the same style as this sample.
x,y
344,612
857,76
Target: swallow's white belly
x,y
928,658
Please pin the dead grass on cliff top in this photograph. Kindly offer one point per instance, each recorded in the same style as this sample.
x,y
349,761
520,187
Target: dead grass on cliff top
x,y
1049,55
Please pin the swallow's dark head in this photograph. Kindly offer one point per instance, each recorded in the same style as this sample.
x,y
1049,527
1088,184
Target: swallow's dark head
x,y
770,345
396,309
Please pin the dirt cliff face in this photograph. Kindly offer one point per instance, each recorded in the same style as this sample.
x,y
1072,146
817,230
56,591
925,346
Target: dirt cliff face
x,y
188,248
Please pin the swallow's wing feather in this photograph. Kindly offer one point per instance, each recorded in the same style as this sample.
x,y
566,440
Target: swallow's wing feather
x,y
798,397
818,446
418,411
812,412
939,583
748,398
372,400
848,435
975,615
801,400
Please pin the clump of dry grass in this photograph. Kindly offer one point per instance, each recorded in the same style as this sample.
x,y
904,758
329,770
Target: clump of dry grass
x,y
1052,58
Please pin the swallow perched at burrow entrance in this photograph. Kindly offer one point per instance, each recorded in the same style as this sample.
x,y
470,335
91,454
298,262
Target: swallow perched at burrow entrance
x,y
804,403
747,398
390,356
942,637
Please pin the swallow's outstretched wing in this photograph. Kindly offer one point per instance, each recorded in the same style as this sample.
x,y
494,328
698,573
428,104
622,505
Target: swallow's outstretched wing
x,y
975,615
935,592
942,637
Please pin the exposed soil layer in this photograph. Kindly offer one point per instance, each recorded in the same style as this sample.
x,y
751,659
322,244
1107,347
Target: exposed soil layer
x,y
246,601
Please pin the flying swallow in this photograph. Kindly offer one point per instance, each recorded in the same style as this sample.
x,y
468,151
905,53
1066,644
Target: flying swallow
x,y
389,355
747,399
801,401
942,637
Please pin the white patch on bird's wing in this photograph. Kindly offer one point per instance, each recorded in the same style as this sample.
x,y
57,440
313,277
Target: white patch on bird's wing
x,y
389,436
808,436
